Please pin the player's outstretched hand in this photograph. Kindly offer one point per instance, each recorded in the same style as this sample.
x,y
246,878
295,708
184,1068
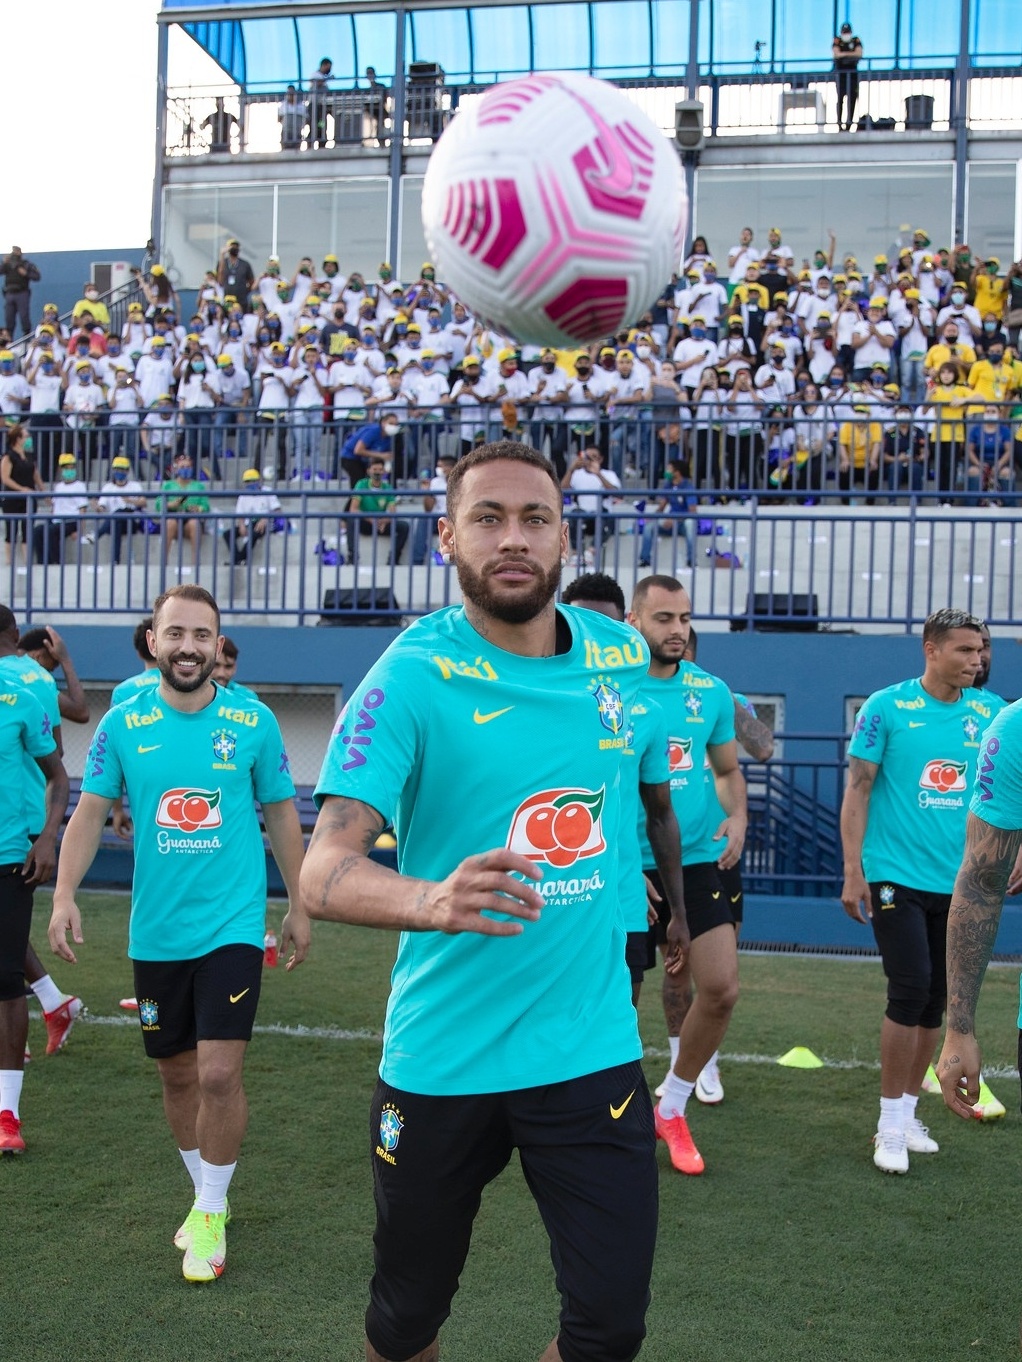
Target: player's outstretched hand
x,y
41,861
296,932
483,883
65,918
958,1070
855,898
733,829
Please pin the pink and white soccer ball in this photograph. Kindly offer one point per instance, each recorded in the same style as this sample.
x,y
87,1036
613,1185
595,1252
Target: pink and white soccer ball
x,y
554,208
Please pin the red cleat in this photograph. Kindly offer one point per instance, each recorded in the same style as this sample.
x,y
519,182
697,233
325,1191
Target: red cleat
x,y
674,1132
10,1134
59,1023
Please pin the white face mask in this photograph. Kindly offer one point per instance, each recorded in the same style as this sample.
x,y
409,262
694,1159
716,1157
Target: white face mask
x,y
643,351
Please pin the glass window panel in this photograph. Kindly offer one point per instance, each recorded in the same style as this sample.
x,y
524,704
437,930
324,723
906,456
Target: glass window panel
x,y
929,33
345,217
737,28
500,42
803,37
670,36
868,206
376,35
996,32
198,219
561,37
412,244
331,36
875,22
441,36
621,39
990,227
271,57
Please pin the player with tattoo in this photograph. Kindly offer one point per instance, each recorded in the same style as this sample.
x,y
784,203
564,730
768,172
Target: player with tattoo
x,y
911,762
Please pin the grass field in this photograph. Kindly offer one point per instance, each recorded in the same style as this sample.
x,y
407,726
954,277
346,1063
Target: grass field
x,y
791,1246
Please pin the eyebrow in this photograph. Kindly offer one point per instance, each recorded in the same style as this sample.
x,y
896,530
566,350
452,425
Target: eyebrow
x,y
499,506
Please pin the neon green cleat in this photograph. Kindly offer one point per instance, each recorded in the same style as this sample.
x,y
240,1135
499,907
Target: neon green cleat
x,y
183,1237
930,1083
206,1256
988,1108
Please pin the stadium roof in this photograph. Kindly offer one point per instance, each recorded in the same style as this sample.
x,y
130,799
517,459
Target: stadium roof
x,y
269,44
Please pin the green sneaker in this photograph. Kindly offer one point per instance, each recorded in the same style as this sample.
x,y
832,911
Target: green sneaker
x,y
206,1255
183,1237
988,1108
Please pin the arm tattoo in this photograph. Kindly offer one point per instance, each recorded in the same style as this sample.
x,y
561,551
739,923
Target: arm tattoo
x,y
337,873
338,814
861,774
753,734
974,915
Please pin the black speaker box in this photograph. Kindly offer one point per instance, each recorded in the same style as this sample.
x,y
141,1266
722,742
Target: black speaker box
x,y
779,612
366,605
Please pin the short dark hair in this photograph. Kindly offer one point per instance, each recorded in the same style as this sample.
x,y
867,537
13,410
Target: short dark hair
x,y
594,586
185,591
33,639
943,622
8,623
140,639
510,451
646,584
692,647
229,649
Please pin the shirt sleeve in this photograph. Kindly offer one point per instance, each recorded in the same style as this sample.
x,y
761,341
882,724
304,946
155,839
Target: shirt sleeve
x,y
378,737
272,771
869,737
104,774
37,733
654,765
997,792
724,721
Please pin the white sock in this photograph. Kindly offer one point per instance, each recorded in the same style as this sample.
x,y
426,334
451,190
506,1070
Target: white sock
x,y
675,1096
10,1089
711,1061
890,1114
675,1043
193,1163
216,1178
49,995
908,1107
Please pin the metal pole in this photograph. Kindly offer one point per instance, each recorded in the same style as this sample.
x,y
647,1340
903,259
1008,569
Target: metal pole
x,y
397,137
156,219
691,158
960,104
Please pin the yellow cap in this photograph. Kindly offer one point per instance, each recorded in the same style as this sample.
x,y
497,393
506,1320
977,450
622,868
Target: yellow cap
x,y
66,461
251,475
330,260
157,270
121,462
503,355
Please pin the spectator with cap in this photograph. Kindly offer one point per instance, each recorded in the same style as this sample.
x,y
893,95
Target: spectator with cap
x,y
351,382
234,273
471,392
990,290
154,372
254,514
291,115
199,393
694,355
914,321
628,410
847,52
221,124
84,400
160,292
960,311
136,330
311,388
183,497
19,274
126,403
279,380
68,501
749,302
776,265
122,501
859,450
872,339
230,423
426,386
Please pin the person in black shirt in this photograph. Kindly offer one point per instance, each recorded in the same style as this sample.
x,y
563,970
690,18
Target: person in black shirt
x,y
904,454
220,124
19,273
235,275
847,50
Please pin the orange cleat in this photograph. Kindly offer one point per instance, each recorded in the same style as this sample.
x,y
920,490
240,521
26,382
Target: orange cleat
x,y
674,1132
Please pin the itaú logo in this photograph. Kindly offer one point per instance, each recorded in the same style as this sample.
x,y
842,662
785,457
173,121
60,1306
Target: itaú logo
x,y
559,827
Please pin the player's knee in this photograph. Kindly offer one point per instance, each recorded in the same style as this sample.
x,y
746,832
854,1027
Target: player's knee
x,y
907,1000
719,996
219,1080
12,985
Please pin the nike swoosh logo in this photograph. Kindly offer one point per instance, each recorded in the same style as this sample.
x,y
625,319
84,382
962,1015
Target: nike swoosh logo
x,y
917,723
735,898
150,749
237,997
494,714
617,1112
716,895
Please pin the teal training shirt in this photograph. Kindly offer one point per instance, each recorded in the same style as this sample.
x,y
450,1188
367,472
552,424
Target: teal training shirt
x,y
926,751
144,681
997,793
192,781
27,674
25,733
700,714
236,688
646,763
466,748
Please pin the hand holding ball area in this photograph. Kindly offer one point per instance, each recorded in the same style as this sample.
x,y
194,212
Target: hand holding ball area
x,y
554,208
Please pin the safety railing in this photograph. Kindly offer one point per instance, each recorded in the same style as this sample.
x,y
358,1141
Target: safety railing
x,y
309,557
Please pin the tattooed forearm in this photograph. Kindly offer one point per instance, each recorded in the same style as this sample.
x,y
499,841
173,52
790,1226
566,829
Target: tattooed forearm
x,y
339,814
753,734
337,873
975,914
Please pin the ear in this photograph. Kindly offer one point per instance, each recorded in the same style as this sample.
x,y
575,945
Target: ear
x,y
565,541
446,538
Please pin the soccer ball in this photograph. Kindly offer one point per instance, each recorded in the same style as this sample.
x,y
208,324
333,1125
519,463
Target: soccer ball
x,y
554,208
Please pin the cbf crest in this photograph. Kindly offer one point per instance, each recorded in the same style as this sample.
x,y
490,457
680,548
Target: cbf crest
x,y
694,704
391,1125
970,727
225,744
149,1014
887,896
609,705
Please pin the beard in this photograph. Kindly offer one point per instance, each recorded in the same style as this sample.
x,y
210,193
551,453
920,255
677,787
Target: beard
x,y
193,683
525,605
667,657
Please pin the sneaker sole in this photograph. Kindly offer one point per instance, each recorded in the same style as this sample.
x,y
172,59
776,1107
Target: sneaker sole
x,y
708,1097
893,1172
217,1272
13,1153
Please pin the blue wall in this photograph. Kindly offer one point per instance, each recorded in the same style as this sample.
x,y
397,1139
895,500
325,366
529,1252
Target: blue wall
x,y
64,272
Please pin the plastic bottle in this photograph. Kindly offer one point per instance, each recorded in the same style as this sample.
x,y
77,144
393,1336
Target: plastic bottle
x,y
270,955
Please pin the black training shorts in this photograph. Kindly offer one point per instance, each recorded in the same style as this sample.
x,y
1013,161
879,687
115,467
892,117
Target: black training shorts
x,y
15,925
712,899
181,1002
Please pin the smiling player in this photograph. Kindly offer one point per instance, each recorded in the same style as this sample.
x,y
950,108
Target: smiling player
x,y
193,760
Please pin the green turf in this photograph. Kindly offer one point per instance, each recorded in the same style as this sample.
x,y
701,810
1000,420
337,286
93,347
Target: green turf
x,y
791,1246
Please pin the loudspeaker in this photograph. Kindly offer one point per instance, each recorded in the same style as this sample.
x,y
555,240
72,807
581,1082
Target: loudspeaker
x,y
778,613
688,125
360,607
421,72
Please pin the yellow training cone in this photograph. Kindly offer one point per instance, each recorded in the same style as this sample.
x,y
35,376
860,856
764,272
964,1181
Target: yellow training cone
x,y
800,1058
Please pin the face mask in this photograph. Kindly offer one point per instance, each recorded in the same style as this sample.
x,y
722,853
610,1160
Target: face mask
x,y
584,374
958,299
904,417
787,329
120,477
548,366
427,366
198,366
434,323
349,358
7,367
91,294
835,382
356,286
29,444
877,380
709,277
67,474
183,470
234,332
996,356
989,326
698,332
390,432
48,366
950,340
801,382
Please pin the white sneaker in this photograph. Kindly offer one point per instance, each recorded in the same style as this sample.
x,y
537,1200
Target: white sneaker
x,y
709,1088
890,1153
918,1139
660,1090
